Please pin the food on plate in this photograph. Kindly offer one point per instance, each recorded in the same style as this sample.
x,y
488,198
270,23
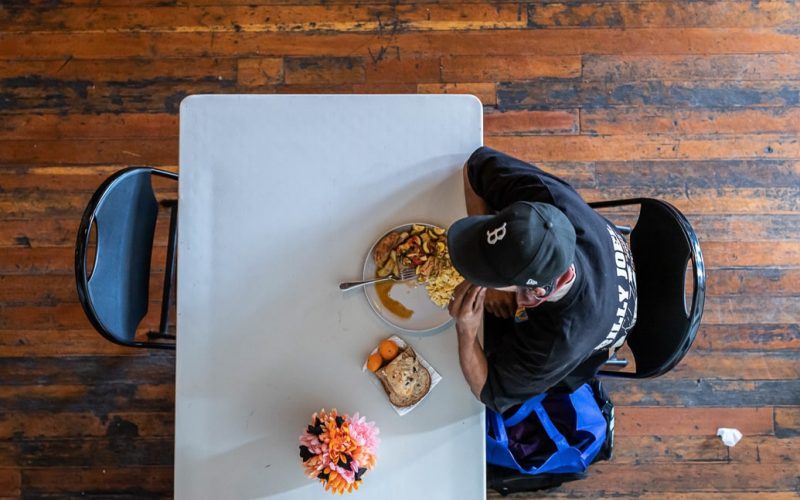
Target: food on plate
x,y
384,247
442,283
388,350
382,289
374,362
424,248
404,379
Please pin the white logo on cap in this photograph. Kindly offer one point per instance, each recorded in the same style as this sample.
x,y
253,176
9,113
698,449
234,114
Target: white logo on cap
x,y
498,234
532,282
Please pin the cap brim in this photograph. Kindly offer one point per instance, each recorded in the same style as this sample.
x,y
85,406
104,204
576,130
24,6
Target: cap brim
x,y
464,245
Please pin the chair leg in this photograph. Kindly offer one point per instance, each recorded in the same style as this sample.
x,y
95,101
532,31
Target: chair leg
x,y
158,335
615,361
169,268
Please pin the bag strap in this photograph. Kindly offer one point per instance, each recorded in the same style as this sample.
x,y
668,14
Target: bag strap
x,y
525,410
534,405
495,422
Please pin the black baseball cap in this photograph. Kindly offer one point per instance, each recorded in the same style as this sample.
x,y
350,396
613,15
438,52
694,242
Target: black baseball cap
x,y
525,244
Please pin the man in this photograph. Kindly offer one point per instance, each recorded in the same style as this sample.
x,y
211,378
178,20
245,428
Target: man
x,y
555,278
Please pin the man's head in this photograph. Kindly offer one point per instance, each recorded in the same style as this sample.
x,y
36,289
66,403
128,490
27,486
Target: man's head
x,y
526,245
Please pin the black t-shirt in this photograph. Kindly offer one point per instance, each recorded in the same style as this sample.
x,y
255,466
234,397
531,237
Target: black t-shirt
x,y
548,343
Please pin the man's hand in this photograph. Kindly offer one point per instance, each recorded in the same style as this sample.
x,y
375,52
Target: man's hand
x,y
501,304
466,308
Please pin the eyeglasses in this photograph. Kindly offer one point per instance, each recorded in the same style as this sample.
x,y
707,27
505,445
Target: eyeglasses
x,y
547,287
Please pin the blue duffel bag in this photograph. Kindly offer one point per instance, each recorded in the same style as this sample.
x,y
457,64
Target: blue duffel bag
x,y
553,434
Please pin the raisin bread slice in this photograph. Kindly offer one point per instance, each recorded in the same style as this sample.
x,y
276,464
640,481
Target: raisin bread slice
x,y
404,379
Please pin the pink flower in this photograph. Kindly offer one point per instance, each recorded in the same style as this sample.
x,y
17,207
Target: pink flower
x,y
338,449
364,433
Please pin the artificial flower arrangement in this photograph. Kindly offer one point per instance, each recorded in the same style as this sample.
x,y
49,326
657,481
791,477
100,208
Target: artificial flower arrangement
x,y
338,450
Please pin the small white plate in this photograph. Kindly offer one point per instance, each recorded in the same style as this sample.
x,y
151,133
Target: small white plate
x,y
427,315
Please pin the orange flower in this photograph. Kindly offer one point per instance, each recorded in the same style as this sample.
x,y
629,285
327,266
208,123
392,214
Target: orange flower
x,y
338,451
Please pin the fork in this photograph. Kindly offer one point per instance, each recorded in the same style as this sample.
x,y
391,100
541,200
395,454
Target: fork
x,y
405,275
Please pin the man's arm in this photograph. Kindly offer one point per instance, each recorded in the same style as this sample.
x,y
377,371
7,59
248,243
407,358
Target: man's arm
x,y
475,204
501,304
473,360
467,309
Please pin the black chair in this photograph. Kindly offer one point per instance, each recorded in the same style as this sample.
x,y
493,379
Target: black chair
x,y
115,297
663,243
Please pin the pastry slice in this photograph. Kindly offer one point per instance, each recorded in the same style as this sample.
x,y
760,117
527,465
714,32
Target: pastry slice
x,y
404,379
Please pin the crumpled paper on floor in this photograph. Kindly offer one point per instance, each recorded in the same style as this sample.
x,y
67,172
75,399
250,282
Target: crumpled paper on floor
x,y
729,436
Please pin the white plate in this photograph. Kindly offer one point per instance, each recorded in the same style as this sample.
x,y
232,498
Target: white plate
x,y
427,315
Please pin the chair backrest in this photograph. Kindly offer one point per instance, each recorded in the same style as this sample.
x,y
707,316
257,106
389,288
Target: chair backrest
x,y
663,243
115,296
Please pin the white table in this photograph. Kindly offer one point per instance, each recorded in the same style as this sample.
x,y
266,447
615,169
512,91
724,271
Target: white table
x,y
280,199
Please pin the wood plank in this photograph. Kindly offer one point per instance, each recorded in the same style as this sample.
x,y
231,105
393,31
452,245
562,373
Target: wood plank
x,y
98,480
259,71
731,227
748,337
38,95
669,120
124,152
265,18
639,450
560,122
77,126
389,67
546,93
19,343
735,67
86,179
646,147
17,73
323,71
661,422
713,201
114,45
200,3
485,92
651,495
722,254
10,482
498,68
756,172
787,422
98,398
766,449
156,368
686,477
751,309
655,14
47,425
723,365
88,452
704,392
754,281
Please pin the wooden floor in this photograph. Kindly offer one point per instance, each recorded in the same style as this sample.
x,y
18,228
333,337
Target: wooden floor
x,y
694,102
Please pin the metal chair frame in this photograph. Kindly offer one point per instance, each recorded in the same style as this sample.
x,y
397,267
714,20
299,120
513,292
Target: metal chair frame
x,y
81,269
694,311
